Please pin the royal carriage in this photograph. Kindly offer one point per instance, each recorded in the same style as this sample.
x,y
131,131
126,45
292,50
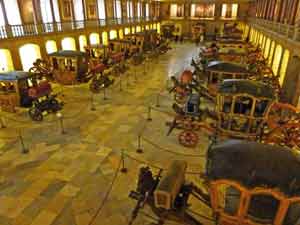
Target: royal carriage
x,y
244,183
24,89
70,67
244,109
14,88
217,71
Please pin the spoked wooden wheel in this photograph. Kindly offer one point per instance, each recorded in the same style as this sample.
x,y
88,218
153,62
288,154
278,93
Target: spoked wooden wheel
x,y
286,135
188,139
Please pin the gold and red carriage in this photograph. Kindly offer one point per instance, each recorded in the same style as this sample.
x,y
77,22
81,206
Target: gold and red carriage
x,y
244,109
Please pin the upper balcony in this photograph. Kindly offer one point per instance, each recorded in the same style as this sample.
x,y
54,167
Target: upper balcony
x,y
25,30
286,31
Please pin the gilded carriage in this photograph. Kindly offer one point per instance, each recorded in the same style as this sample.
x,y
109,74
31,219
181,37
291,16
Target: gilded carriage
x,y
217,71
14,89
252,183
243,107
244,183
70,67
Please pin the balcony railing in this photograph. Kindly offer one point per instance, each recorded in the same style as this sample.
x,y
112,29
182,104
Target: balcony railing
x,y
291,32
13,31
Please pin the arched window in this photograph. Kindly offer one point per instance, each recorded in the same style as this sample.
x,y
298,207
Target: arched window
x,y
158,28
29,53
139,9
272,49
147,9
94,38
127,30
51,46
113,35
284,64
68,43
267,48
277,59
138,29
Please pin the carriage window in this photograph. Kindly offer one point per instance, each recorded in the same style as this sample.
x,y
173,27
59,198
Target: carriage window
x,y
7,87
229,199
227,104
260,107
55,63
239,124
293,214
227,76
263,209
214,78
243,105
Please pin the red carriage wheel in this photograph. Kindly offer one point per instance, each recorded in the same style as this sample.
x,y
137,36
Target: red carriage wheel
x,y
188,139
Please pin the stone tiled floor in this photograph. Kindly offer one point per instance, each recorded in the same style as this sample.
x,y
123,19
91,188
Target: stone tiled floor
x,y
64,177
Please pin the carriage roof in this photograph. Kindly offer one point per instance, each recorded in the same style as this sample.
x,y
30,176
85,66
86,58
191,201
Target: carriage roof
x,y
14,75
255,164
240,86
226,67
68,53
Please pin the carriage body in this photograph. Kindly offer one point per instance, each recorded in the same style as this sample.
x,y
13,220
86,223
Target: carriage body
x,y
69,67
18,88
218,71
252,183
242,107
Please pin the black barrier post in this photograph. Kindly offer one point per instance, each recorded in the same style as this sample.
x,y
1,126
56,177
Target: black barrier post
x,y
61,122
139,149
157,100
149,114
144,67
24,150
135,75
104,93
123,169
2,122
120,84
93,108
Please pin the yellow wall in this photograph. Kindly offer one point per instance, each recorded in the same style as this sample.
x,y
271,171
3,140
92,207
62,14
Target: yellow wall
x,y
82,42
104,38
121,35
284,64
6,63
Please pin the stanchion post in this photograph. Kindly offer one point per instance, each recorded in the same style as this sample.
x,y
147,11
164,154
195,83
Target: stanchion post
x,y
157,100
120,84
61,122
24,150
139,148
149,114
123,169
2,124
93,108
104,94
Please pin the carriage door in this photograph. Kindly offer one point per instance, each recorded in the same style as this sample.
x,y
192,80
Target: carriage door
x,y
228,198
262,209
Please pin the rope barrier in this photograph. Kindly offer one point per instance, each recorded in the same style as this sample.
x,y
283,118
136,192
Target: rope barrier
x,y
170,151
157,167
106,194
